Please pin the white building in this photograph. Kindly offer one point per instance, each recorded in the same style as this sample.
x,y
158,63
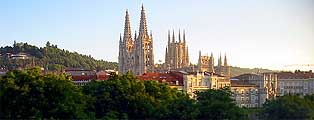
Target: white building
x,y
297,83
201,81
267,84
245,94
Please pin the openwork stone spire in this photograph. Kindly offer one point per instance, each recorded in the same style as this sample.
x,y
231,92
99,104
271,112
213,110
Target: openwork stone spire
x,y
173,38
211,64
127,27
179,37
169,37
225,61
183,36
143,23
219,61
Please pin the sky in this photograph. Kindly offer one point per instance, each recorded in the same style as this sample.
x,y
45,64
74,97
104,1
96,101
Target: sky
x,y
273,34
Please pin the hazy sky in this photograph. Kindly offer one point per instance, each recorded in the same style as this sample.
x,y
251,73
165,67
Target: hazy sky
x,y
253,33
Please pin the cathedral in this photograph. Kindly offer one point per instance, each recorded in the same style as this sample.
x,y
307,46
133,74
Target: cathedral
x,y
136,56
177,54
206,64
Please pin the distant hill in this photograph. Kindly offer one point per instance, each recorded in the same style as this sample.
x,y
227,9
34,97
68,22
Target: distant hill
x,y
235,71
50,57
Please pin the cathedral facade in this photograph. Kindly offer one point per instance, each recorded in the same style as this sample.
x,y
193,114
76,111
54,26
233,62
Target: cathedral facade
x,y
206,64
136,56
177,54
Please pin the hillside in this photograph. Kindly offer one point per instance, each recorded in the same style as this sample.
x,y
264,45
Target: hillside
x,y
50,57
235,71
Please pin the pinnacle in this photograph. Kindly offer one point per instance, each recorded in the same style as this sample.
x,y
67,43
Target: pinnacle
x,y
127,26
143,24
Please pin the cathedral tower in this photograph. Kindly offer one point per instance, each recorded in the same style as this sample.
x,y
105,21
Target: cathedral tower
x,y
203,63
126,47
177,54
136,56
226,67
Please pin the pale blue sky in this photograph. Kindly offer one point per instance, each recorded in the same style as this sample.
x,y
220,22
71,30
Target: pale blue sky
x,y
253,33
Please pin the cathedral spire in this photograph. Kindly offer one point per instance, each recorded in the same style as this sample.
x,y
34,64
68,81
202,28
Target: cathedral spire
x,y
120,38
183,36
225,61
211,63
219,61
143,24
173,38
226,67
199,61
166,55
169,37
127,26
179,37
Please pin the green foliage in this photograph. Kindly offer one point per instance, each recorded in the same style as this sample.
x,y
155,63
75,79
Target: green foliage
x,y
217,105
127,97
289,107
52,57
28,94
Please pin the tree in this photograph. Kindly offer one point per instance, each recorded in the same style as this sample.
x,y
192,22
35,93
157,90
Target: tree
x,y
218,104
48,44
127,97
288,107
29,94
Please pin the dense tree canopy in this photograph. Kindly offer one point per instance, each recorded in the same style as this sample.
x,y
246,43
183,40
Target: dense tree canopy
x,y
29,94
51,57
217,105
289,107
125,96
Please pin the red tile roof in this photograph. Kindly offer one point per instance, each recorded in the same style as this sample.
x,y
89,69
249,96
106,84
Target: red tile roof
x,y
171,77
89,75
296,75
83,77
